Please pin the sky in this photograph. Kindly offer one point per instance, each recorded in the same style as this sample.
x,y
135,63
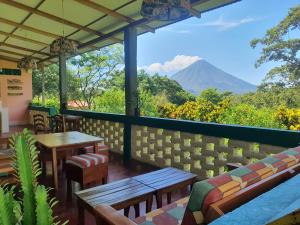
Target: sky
x,y
221,37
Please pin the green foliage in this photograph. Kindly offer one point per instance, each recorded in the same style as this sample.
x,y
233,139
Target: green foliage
x,y
51,81
248,115
270,96
278,46
111,101
49,102
289,117
90,70
33,208
9,207
147,104
157,85
214,96
167,110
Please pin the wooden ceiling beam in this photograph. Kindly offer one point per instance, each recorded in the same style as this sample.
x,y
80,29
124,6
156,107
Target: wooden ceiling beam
x,y
23,38
19,54
112,13
32,29
51,17
24,49
9,58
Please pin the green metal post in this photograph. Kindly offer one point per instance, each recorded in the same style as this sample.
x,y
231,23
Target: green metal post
x,y
131,102
62,81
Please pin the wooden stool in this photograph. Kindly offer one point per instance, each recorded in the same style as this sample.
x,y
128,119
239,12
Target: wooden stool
x,y
85,169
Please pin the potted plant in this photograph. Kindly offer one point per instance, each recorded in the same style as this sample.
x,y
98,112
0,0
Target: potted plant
x,y
33,207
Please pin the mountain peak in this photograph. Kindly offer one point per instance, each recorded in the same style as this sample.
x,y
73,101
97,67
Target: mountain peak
x,y
201,75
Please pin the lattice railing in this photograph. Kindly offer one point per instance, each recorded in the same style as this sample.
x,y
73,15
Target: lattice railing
x,y
111,132
204,155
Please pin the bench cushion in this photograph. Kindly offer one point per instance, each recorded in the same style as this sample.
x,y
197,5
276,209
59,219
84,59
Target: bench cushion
x,y
209,191
171,214
274,203
87,160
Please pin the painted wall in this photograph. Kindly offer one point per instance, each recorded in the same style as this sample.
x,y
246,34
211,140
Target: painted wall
x,y
17,105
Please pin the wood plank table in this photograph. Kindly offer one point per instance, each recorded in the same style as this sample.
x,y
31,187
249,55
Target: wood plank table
x,y
131,191
165,181
64,142
120,195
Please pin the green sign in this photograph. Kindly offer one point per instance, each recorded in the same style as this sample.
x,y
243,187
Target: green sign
x,y
13,72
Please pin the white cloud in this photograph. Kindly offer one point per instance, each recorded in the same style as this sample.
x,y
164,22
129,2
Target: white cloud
x,y
223,24
179,62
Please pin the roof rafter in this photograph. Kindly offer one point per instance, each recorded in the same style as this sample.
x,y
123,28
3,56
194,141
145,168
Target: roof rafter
x,y
112,13
9,58
54,18
25,27
24,49
23,38
20,54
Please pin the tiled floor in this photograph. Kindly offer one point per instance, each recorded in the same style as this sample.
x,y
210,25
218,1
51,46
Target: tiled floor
x,y
117,170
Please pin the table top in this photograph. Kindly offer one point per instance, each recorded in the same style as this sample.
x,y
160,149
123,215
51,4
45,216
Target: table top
x,y
164,178
124,190
65,139
114,193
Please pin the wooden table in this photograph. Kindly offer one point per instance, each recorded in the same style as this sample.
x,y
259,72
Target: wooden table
x,y
165,181
131,191
67,141
120,195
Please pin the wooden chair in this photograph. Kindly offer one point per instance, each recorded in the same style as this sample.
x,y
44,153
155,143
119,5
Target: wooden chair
x,y
39,124
57,123
86,169
72,123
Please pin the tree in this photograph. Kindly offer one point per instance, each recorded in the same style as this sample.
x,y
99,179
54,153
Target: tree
x,y
51,81
91,70
213,95
278,46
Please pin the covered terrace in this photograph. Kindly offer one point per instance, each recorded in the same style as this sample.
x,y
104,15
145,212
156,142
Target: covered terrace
x,y
27,32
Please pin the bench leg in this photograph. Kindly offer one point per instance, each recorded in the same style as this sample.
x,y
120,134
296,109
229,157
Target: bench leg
x,y
137,210
169,197
126,211
158,200
149,204
69,189
81,220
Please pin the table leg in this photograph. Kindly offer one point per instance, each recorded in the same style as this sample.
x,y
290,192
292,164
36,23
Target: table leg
x,y
137,210
158,200
149,204
126,211
95,147
169,197
54,169
80,208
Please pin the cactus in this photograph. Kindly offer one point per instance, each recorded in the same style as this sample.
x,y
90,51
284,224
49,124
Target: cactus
x,y
34,208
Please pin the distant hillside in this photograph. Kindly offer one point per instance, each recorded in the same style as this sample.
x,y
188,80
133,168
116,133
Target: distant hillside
x,y
202,75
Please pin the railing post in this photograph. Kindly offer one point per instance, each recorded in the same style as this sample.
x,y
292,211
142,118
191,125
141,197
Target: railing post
x,y
62,81
130,48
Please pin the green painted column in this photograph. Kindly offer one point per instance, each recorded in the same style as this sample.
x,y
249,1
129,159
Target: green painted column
x,y
131,96
62,81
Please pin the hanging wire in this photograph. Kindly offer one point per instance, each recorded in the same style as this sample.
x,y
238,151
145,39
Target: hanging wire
x,y
63,16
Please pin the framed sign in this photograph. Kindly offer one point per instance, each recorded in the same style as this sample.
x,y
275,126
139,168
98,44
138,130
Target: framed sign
x,y
13,72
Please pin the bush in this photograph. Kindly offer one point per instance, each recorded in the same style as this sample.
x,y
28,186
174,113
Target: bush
x,y
248,115
289,117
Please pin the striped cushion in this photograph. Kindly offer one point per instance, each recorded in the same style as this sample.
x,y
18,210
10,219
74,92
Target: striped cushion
x,y
100,147
87,160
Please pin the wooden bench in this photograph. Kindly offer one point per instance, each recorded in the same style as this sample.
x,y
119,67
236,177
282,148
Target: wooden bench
x,y
131,191
165,181
119,195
